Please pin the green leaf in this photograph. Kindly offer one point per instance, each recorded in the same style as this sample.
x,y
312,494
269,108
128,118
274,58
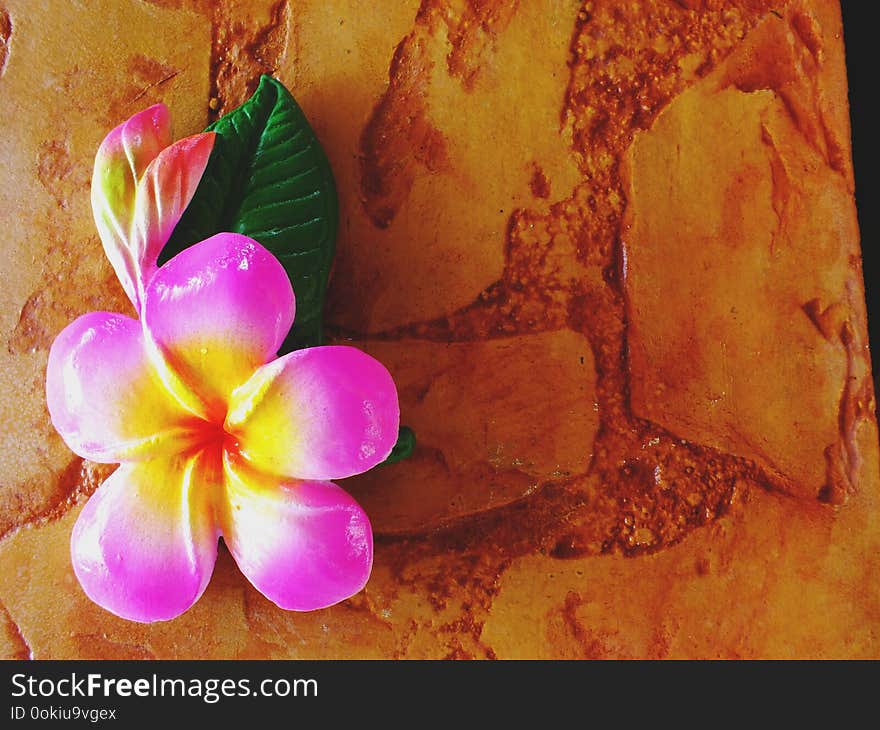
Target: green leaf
x,y
406,443
269,179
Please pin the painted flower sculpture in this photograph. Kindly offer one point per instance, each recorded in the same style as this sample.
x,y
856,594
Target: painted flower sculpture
x,y
215,434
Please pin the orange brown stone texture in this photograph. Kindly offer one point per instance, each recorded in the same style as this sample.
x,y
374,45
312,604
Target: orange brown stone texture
x,y
608,251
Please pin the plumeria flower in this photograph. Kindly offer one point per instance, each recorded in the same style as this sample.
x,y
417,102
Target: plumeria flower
x,y
216,436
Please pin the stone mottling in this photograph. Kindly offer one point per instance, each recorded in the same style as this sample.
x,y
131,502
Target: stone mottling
x,y
56,109
605,351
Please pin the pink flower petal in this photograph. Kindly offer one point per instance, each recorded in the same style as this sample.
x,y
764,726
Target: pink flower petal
x,y
215,312
104,396
144,545
121,161
168,185
303,545
320,413
134,144
140,188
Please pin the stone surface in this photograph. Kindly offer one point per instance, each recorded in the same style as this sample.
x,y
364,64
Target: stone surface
x,y
730,591
737,338
415,133
615,273
488,433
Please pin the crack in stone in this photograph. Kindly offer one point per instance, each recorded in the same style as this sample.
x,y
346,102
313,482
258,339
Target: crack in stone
x,y
5,36
153,86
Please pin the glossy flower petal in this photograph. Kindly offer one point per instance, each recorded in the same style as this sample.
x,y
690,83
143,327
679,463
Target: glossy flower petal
x,y
126,152
104,396
215,312
140,187
145,544
319,413
304,545
168,184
